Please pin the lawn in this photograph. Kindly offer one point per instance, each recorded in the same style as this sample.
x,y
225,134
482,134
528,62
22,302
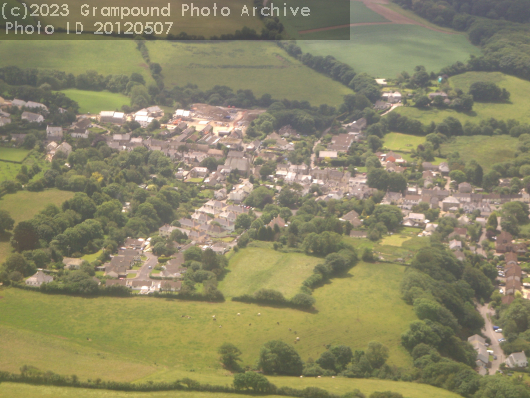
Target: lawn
x,y
353,310
516,109
338,386
96,101
402,142
260,66
386,50
92,257
484,149
131,275
257,267
75,56
13,154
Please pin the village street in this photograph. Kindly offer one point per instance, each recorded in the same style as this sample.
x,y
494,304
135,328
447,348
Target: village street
x,y
494,337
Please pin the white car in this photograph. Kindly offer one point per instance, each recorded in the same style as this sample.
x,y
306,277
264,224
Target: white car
x,y
498,331
501,291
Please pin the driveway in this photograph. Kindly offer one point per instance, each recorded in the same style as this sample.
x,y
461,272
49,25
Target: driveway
x,y
488,332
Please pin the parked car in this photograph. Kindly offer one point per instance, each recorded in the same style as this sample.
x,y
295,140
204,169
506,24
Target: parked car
x,y
498,331
495,327
502,340
495,357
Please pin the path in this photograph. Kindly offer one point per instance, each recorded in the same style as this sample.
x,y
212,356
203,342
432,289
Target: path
x,y
378,6
394,106
488,332
313,155
143,273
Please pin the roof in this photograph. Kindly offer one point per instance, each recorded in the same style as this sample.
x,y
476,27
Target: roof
x,y
40,277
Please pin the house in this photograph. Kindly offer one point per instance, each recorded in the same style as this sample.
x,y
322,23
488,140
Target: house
x,y
482,360
65,148
449,203
417,217
503,243
328,154
221,194
51,147
54,132
517,360
464,187
455,244
280,222
170,286
38,279
72,263
115,282
36,105
350,216
429,166
358,234
18,103
437,94
137,244
4,120
112,117
32,117
242,165
215,153
198,172
165,230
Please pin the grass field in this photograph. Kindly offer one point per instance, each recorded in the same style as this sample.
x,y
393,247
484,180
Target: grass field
x,y
386,50
257,267
8,170
75,56
262,67
152,335
485,150
402,142
338,386
13,154
23,205
516,109
96,101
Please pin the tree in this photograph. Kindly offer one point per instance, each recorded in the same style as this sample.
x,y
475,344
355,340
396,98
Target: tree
x,y
17,263
6,221
253,381
386,394
458,176
194,253
25,236
377,354
326,360
277,357
492,221
229,356
210,164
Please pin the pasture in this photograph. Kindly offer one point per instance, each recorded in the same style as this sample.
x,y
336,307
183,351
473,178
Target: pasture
x,y
517,108
386,50
118,57
262,67
258,267
485,150
8,170
338,386
402,142
96,101
203,25
153,338
13,154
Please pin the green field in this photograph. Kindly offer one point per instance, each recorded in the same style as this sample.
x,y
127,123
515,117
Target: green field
x,y
402,142
517,108
13,154
338,386
386,50
261,66
485,150
23,205
8,170
96,101
151,338
107,57
256,267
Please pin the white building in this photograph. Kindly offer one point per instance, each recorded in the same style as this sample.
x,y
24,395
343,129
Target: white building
x,y
517,360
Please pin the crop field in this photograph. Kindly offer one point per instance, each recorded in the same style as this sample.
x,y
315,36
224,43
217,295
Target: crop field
x,y
485,150
206,26
257,267
13,154
402,142
96,101
338,386
152,336
517,108
386,50
262,67
118,57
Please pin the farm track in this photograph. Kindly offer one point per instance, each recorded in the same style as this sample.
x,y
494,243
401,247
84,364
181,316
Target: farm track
x,y
378,7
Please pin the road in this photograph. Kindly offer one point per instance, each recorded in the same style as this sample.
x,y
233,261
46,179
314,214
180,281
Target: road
x,y
143,273
488,332
313,155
